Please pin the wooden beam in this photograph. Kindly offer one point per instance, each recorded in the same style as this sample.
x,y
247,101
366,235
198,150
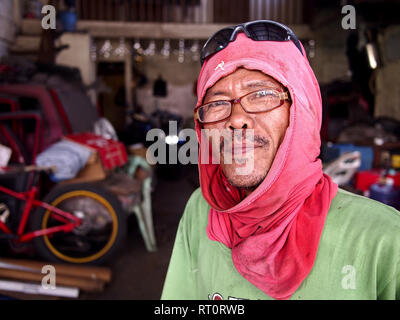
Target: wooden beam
x,y
164,30
112,29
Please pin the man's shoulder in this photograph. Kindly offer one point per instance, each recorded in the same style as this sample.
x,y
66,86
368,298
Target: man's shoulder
x,y
354,204
197,208
197,201
354,214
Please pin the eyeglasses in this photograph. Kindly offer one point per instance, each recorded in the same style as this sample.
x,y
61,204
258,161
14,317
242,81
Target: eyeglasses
x,y
254,102
259,30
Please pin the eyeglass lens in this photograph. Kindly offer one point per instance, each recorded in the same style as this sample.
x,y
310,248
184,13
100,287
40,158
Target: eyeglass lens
x,y
259,101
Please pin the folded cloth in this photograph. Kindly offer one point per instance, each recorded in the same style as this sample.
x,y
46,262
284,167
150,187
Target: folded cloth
x,y
67,156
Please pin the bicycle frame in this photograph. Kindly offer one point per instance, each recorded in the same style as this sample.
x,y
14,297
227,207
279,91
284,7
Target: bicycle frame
x,y
69,220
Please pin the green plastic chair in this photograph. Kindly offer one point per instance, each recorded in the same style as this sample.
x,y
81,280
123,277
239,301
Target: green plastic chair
x,y
143,209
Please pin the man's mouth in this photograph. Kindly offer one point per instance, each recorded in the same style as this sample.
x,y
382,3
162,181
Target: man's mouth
x,y
240,149
243,147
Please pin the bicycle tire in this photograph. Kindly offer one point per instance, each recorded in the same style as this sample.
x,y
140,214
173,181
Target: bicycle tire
x,y
40,220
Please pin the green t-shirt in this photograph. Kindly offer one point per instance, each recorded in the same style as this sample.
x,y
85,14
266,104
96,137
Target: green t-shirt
x,y
358,256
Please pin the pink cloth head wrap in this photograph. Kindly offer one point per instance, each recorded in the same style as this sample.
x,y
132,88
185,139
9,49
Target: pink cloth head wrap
x,y
274,232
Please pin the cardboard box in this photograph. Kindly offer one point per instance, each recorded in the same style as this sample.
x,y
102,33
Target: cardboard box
x,y
93,171
111,153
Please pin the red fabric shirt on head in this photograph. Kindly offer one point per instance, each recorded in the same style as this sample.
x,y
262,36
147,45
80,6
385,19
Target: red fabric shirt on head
x,y
274,232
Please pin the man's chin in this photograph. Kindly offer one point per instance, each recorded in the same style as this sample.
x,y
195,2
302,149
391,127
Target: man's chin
x,y
248,182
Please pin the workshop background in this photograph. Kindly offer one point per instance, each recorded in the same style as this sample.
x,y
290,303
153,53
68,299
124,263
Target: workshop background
x,y
76,103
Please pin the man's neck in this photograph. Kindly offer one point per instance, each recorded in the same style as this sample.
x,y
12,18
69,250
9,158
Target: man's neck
x,y
248,191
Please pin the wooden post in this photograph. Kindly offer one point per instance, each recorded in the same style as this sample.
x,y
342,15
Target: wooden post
x,y
158,10
78,8
182,9
208,11
142,11
17,12
150,10
128,82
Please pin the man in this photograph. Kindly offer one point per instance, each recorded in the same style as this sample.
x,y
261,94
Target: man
x,y
282,230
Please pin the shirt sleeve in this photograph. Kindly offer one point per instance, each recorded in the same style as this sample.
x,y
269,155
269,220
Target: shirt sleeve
x,y
180,282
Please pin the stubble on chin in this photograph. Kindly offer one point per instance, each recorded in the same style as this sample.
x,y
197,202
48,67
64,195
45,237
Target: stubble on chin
x,y
247,182
253,179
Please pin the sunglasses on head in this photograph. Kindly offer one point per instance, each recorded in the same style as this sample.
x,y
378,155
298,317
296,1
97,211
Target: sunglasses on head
x,y
259,30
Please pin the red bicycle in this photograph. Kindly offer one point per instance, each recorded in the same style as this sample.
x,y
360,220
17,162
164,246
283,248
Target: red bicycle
x,y
75,223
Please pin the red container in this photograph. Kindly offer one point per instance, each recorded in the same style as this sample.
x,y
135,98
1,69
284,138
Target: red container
x,y
112,153
364,179
396,178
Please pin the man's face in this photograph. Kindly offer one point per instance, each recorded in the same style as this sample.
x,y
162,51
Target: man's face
x,y
268,127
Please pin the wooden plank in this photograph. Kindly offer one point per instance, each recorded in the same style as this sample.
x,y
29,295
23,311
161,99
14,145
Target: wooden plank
x,y
150,10
127,10
90,272
38,289
192,11
133,10
92,10
85,284
183,10
112,29
109,10
148,29
85,10
116,11
165,9
158,11
100,10
142,11
78,8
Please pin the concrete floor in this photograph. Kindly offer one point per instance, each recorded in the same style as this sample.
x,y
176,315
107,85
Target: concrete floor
x,y
137,273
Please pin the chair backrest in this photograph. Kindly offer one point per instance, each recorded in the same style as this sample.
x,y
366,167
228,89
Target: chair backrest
x,y
136,162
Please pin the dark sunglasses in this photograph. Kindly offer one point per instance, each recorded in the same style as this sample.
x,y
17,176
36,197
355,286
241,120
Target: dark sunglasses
x,y
259,30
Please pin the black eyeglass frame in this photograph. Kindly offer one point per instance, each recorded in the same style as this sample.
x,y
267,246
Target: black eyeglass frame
x,y
289,36
283,95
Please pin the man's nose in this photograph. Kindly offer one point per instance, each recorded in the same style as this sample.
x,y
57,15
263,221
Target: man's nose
x,y
239,118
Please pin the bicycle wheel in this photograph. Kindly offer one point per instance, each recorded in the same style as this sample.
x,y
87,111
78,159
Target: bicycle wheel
x,y
98,238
